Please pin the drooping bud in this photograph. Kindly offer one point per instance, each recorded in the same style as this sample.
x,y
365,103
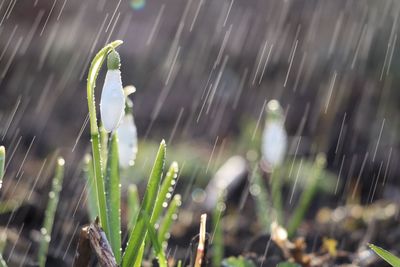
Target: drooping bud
x,y
127,140
274,138
112,103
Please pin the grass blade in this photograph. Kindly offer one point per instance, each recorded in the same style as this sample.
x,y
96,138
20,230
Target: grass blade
x,y
165,189
50,212
170,215
94,69
113,198
138,235
133,205
386,255
139,258
91,201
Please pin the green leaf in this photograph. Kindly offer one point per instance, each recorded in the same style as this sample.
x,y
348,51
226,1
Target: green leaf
x,y
91,201
237,262
139,257
138,235
94,69
133,205
50,212
263,204
165,189
113,198
170,215
218,236
307,195
386,255
162,261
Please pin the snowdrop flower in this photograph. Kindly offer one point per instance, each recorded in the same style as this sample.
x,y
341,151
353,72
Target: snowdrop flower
x,y
127,141
274,138
112,103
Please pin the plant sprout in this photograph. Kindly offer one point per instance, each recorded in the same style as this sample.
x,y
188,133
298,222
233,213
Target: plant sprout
x,y
274,143
50,212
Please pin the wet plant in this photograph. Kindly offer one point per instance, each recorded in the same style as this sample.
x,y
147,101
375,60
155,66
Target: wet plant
x,y
114,147
386,255
268,196
51,208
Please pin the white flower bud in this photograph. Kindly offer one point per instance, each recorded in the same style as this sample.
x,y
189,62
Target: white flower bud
x,y
127,141
112,103
274,138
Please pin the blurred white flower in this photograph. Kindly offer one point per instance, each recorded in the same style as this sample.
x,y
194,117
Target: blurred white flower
x,y
274,138
112,103
127,141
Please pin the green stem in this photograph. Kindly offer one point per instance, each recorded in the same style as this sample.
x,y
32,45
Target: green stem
x,y
276,192
113,197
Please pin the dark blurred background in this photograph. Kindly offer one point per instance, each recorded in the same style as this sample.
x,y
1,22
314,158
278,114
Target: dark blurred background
x,y
203,70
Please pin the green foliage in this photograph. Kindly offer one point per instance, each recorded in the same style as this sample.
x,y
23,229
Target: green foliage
x,y
307,195
94,69
263,204
104,187
276,192
304,169
113,198
218,236
237,262
50,212
133,205
165,192
386,255
162,261
88,173
170,215
139,232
